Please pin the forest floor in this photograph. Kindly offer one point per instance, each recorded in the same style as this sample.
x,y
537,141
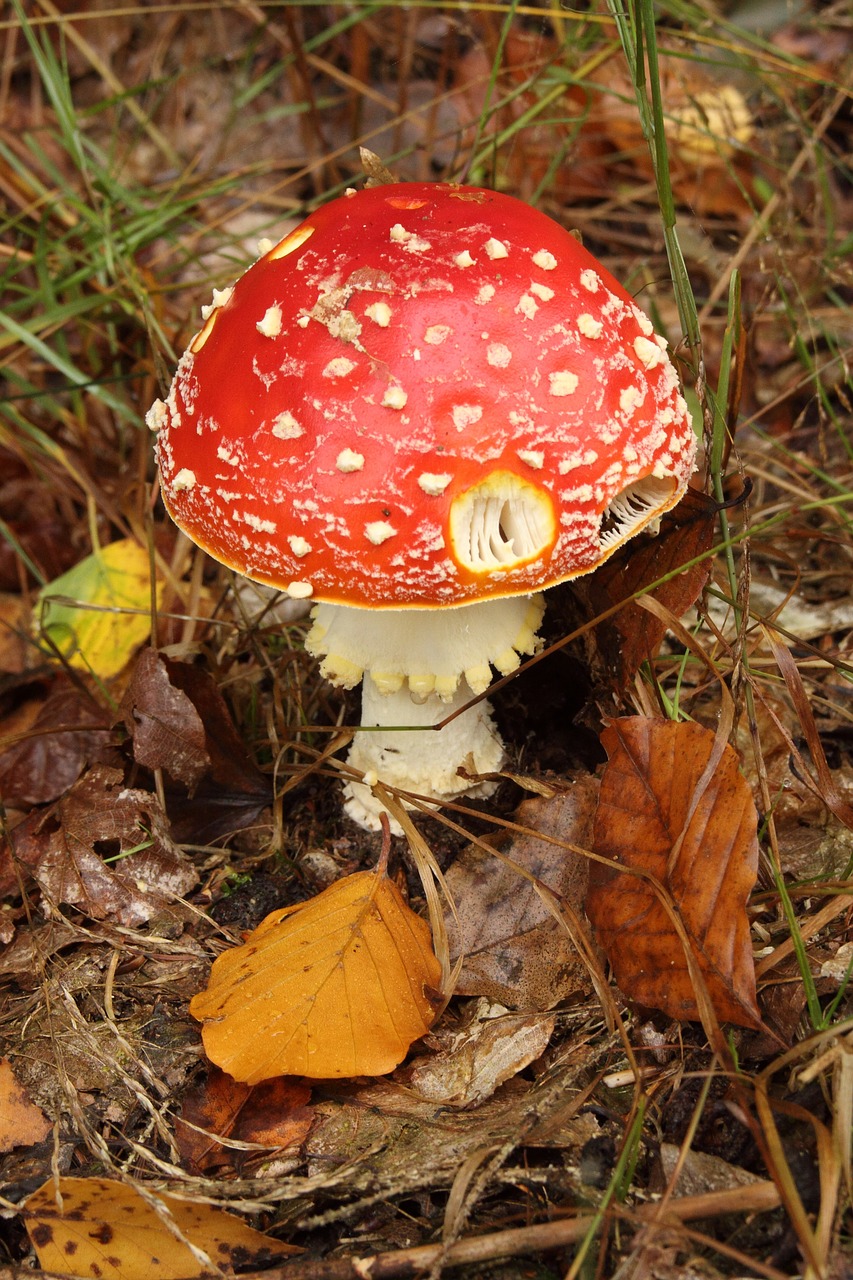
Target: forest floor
x,y
643,1062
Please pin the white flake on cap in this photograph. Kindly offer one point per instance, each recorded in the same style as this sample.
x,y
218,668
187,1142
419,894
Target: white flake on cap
x,y
299,590
220,297
340,367
484,294
585,459
224,454
544,259
185,479
496,249
347,460
379,313
379,531
258,523
589,326
436,334
643,321
563,382
408,239
541,290
394,398
465,415
285,427
630,398
270,325
433,482
590,280
464,259
498,355
527,306
298,545
648,352
157,416
534,458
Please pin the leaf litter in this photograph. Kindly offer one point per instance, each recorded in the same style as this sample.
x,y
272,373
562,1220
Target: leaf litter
x,y
528,1102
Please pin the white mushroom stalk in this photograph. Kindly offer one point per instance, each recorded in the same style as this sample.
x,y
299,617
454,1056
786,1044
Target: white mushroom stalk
x,y
419,667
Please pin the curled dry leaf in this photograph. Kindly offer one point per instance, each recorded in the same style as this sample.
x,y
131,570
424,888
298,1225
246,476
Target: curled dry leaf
x,y
274,1115
21,1122
106,1229
106,849
474,1060
179,722
674,807
339,985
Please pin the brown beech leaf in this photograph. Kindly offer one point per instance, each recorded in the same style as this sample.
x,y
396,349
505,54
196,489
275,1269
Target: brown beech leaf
x,y
69,732
339,985
274,1114
106,1229
619,644
106,849
675,807
515,951
21,1121
179,722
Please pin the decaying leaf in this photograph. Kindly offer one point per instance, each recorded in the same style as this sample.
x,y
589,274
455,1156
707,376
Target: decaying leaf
x,y
67,732
97,613
21,1122
274,1114
106,849
475,1059
179,722
674,806
340,985
515,951
106,1229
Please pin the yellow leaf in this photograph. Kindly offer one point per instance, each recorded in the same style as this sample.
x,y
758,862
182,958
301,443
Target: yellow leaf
x,y
340,985
106,1229
108,614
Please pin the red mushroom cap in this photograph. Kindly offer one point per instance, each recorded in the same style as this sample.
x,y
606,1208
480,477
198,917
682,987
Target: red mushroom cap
x,y
424,395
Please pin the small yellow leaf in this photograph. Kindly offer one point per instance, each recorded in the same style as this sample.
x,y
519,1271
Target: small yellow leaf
x,y
106,1229
110,613
340,985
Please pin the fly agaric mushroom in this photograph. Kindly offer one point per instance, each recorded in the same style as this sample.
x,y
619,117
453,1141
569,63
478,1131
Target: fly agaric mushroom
x,y
422,407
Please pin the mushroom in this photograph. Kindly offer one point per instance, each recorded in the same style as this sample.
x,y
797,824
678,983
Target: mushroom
x,y
424,406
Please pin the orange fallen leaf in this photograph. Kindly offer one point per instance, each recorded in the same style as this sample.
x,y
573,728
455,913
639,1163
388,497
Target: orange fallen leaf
x,y
670,810
337,986
21,1122
106,1229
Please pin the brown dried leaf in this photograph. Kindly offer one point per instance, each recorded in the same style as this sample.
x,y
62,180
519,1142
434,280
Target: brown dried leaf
x,y
21,1122
179,722
515,951
619,644
68,733
106,1229
274,1114
674,806
166,728
106,849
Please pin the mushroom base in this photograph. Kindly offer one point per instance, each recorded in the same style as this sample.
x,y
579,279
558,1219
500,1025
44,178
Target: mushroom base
x,y
419,758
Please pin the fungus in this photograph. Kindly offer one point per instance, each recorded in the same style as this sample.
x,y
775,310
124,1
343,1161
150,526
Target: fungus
x,y
421,451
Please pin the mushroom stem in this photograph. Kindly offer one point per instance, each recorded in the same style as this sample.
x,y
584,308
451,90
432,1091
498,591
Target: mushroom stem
x,y
419,757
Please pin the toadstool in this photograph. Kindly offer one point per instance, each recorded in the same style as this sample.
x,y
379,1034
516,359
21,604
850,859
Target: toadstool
x,y
424,406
